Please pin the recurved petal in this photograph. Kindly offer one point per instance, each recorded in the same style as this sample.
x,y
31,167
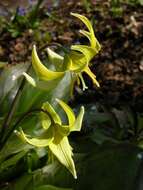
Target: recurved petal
x,y
78,122
30,79
50,110
91,36
85,21
68,111
42,141
45,120
43,72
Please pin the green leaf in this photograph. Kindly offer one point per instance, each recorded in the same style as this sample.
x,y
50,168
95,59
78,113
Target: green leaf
x,y
62,150
41,71
54,174
14,144
12,160
34,97
9,79
110,167
50,187
141,2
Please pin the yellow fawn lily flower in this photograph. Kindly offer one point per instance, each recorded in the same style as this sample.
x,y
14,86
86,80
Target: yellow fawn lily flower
x,y
81,55
77,61
55,135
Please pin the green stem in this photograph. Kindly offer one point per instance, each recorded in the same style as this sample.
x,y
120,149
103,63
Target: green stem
x,y
10,114
34,13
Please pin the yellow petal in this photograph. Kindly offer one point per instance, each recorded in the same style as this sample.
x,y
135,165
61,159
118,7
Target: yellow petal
x,y
68,111
78,123
42,141
50,110
55,58
43,72
87,51
63,152
78,63
91,36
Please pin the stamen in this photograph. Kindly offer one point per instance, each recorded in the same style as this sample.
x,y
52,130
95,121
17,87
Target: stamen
x,y
92,76
84,87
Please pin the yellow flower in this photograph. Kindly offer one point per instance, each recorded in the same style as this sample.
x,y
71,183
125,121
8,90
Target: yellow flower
x,y
55,133
81,55
76,62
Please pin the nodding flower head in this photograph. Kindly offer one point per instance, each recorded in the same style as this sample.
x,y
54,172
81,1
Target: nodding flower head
x,y
81,55
76,61
55,133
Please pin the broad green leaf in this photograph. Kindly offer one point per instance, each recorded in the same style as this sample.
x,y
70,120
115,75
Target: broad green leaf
x,y
35,97
14,144
48,85
12,160
62,150
141,2
54,174
54,116
111,167
63,89
42,141
43,72
50,187
68,111
9,79
78,122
